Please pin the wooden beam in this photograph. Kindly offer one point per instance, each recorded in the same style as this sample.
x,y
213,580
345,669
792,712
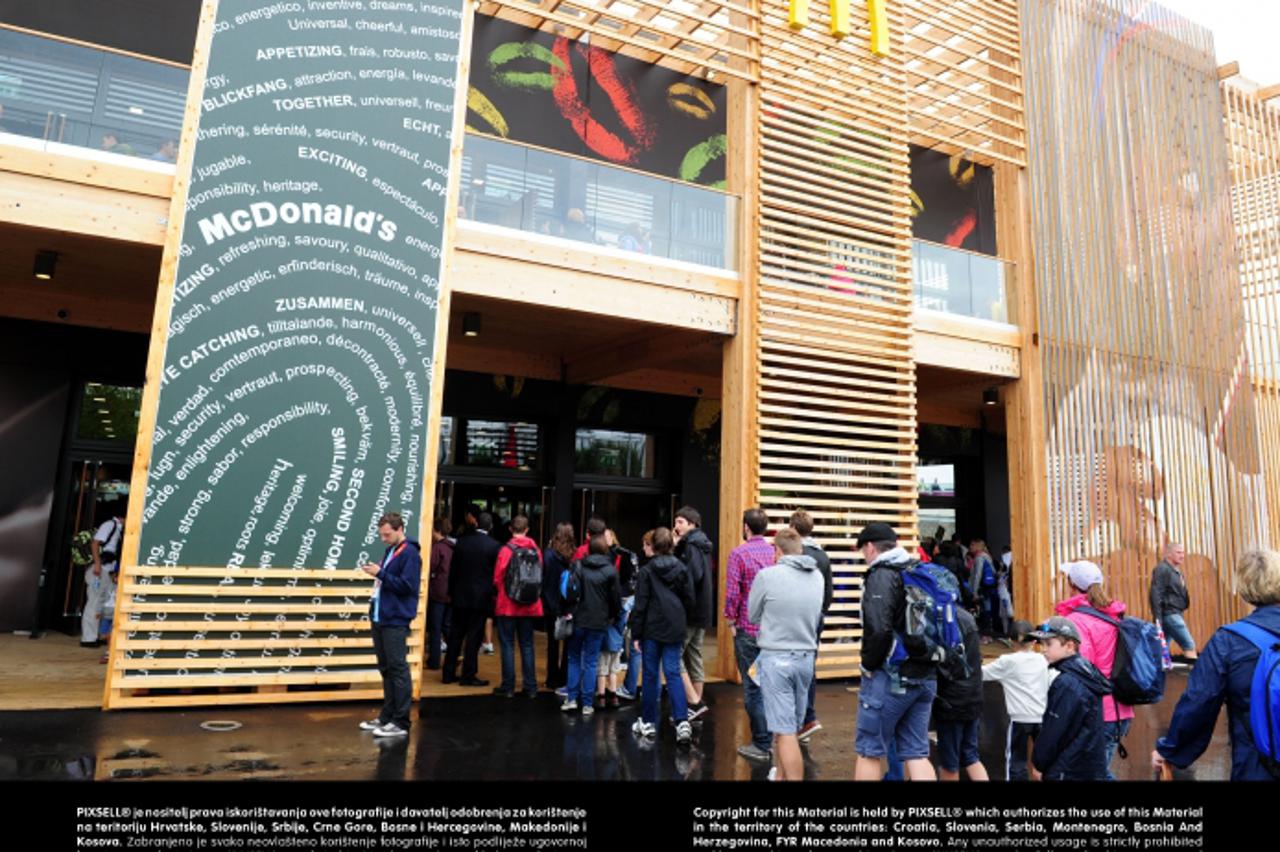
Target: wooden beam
x,y
1266,93
624,356
1230,69
54,205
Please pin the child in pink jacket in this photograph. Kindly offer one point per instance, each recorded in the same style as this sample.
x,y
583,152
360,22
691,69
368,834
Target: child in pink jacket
x,y
1099,642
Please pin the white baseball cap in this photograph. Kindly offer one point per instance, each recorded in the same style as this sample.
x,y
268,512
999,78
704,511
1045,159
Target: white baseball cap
x,y
1082,574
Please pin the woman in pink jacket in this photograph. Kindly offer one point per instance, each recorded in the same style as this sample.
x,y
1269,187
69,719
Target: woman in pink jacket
x,y
1099,642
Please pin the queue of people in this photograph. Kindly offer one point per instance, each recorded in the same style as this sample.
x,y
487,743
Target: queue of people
x,y
1070,703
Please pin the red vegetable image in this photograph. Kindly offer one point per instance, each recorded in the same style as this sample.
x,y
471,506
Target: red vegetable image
x,y
621,94
962,229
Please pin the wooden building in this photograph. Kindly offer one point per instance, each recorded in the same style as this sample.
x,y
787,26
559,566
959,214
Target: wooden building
x,y
953,263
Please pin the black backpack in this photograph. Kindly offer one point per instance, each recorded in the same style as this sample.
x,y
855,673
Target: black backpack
x,y
524,575
628,567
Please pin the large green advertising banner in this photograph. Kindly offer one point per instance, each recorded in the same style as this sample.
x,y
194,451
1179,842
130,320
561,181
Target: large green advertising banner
x,y
298,363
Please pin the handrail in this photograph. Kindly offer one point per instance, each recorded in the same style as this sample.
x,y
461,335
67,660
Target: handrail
x,y
602,163
980,254
92,46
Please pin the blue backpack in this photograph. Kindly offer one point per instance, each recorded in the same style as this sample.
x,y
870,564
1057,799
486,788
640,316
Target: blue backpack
x,y
571,585
1264,696
988,573
1138,674
932,633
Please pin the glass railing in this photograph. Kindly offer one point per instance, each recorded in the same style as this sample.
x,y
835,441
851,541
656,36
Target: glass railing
x,y
558,195
77,95
961,282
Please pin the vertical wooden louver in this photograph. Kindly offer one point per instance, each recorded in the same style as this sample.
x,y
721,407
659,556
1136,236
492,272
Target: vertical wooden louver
x,y
836,402
1253,134
1150,414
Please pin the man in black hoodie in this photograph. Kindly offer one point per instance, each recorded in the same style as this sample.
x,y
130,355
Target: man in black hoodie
x,y
664,596
599,607
693,548
1072,745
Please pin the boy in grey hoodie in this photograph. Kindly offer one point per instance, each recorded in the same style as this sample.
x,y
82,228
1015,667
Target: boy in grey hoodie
x,y
786,601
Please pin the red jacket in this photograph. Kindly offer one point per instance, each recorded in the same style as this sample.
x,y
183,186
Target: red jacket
x,y
505,606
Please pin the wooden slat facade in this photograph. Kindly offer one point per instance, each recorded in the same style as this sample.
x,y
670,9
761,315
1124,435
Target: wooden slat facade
x,y
835,402
1253,139
1151,424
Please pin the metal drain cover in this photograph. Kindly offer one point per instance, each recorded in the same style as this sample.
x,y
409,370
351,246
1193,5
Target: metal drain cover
x,y
220,726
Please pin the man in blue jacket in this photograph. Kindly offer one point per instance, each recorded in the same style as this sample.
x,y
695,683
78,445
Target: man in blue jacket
x,y
393,606
1072,741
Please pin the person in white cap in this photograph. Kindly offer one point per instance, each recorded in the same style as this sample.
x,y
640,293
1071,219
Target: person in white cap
x,y
1098,641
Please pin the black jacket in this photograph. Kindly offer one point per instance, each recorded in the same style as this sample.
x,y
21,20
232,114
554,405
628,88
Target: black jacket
x,y
553,565
824,565
664,596
471,571
884,611
961,700
694,551
1073,739
1168,591
601,599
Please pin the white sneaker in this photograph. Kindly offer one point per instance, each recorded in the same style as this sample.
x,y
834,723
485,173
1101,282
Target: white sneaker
x,y
391,729
684,733
641,728
588,711
773,774
371,724
487,648
569,705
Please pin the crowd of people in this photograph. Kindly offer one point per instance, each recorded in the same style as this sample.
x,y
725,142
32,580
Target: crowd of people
x,y
609,614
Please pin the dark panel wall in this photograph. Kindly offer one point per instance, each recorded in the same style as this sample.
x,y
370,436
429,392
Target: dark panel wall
x,y
162,28
33,405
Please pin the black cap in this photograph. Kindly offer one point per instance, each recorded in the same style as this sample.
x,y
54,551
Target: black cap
x,y
877,531
1059,627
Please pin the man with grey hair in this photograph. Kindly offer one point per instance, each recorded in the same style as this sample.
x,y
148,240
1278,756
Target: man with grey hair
x,y
1170,599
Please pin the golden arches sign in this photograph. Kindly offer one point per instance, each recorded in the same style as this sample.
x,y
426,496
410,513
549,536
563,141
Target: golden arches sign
x,y
798,19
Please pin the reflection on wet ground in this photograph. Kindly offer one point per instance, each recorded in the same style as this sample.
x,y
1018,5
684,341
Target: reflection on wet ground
x,y
479,738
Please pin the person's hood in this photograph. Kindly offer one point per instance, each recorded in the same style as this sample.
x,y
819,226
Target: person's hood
x,y
810,541
799,561
1267,617
597,562
409,541
1070,605
522,541
1093,679
697,538
897,556
447,542
666,568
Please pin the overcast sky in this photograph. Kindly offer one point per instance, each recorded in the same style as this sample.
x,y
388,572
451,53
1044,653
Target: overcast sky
x,y
1244,31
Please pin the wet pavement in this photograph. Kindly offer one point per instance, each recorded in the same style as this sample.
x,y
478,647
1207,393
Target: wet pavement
x,y
476,738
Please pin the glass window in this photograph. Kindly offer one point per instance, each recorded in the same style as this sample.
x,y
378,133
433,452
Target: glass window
x,y
601,452
501,444
936,480
109,413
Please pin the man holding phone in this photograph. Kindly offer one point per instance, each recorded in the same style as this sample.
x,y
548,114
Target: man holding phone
x,y
393,606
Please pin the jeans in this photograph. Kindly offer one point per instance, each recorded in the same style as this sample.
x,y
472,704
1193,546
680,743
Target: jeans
x,y
390,645
1175,630
885,717
630,679
745,651
437,616
584,656
895,771
957,744
667,656
509,628
1115,733
810,711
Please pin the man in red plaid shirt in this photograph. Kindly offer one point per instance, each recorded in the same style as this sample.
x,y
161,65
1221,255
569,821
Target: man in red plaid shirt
x,y
745,562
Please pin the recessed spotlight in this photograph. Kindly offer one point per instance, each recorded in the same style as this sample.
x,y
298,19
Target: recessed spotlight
x,y
471,324
991,396
46,265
